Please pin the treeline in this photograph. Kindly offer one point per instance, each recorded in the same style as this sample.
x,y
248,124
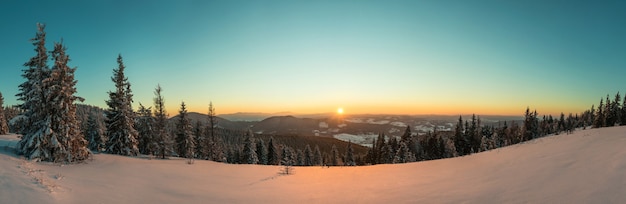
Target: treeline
x,y
470,136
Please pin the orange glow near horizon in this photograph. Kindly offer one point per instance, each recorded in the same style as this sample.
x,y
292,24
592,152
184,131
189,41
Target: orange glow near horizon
x,y
392,109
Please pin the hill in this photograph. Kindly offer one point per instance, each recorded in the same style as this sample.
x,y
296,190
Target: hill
x,y
221,122
585,167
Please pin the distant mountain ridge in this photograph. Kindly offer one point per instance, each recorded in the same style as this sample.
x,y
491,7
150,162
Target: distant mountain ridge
x,y
258,116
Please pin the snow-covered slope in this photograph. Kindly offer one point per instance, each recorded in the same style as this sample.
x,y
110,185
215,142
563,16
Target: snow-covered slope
x,y
585,167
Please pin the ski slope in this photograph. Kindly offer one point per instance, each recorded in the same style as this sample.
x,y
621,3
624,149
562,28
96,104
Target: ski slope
x,y
588,166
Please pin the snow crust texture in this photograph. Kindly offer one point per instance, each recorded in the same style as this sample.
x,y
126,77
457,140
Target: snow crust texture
x,y
585,167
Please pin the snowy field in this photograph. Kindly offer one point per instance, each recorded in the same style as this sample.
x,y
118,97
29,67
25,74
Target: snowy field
x,y
586,167
364,140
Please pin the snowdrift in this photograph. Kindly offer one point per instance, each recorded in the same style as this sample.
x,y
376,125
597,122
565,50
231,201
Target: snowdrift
x,y
585,167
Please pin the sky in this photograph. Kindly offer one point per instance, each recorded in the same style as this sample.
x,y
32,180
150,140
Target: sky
x,y
379,57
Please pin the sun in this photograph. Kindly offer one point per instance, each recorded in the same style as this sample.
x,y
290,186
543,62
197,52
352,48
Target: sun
x,y
340,111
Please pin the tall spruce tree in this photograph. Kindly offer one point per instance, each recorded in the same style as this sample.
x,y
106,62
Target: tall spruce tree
x,y
145,127
61,87
212,142
403,155
459,138
184,134
272,153
600,116
162,139
334,156
349,156
53,132
95,134
530,130
35,142
121,133
308,156
4,128
617,111
317,156
200,137
609,118
261,151
623,112
249,152
287,160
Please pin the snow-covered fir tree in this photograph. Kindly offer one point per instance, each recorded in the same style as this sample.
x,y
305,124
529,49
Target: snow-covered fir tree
x,y
61,87
214,147
261,151
35,142
272,153
162,137
95,134
51,132
600,116
287,160
349,156
184,134
299,157
317,156
308,156
459,138
121,133
200,141
4,128
144,123
531,125
623,112
403,155
249,152
334,156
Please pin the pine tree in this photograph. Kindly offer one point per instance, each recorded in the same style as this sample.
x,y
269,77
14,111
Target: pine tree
x,y
459,138
36,131
212,120
408,139
272,153
317,156
617,111
308,156
213,148
530,129
145,128
600,117
249,152
287,160
61,87
623,111
299,157
334,156
162,139
53,133
378,149
609,118
261,151
4,128
403,155
121,133
184,137
349,156
201,151
95,134
473,135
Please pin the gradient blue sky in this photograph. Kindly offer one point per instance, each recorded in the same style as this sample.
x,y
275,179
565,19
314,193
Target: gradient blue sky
x,y
400,57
